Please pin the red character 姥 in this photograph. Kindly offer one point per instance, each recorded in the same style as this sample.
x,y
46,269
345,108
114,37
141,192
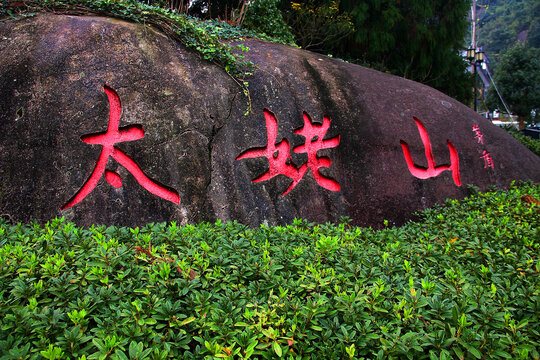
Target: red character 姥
x,y
279,158
108,139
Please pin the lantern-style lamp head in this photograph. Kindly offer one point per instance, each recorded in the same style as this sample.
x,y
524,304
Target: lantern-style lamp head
x,y
480,56
470,53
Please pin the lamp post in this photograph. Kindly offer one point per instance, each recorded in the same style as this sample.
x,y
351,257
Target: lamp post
x,y
479,58
474,54
476,57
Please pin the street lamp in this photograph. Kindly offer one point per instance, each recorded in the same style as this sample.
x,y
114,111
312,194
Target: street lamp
x,y
479,56
470,54
476,57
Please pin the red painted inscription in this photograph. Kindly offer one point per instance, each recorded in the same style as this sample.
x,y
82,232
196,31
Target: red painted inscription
x,y
432,170
314,134
478,134
488,161
108,139
279,158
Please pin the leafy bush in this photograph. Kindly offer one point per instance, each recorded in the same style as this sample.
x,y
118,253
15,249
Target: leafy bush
x,y
319,25
532,144
461,283
264,16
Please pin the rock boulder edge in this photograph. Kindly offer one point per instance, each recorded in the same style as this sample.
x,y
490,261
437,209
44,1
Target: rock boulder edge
x,y
336,136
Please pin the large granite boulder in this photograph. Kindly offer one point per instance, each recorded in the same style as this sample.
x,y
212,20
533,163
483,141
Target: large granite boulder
x,y
104,121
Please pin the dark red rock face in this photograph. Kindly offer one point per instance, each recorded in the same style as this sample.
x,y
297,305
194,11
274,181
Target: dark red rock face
x,y
107,122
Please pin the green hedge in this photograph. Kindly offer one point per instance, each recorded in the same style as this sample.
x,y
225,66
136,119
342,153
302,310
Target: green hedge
x,y
462,282
532,144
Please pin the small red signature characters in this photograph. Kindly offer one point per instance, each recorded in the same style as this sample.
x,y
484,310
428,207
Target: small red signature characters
x,y
279,158
488,160
108,139
432,170
478,134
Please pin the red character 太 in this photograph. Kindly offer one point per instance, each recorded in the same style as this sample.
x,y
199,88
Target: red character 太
x,y
108,139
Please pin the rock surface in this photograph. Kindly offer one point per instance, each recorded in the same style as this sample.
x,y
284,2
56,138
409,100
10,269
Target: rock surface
x,y
183,126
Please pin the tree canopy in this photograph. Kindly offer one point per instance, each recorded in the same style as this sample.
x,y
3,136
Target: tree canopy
x,y
416,39
419,40
501,23
518,80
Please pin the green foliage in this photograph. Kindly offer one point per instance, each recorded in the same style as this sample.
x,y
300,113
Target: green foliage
x,y
418,40
518,79
318,25
215,9
3,8
225,31
502,22
461,283
264,17
532,144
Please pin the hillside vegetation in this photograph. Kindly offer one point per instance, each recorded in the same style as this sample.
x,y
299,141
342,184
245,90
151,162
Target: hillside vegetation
x,y
503,22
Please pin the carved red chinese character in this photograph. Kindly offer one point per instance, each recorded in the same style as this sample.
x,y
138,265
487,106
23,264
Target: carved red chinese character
x,y
478,134
432,170
314,135
488,160
279,158
108,139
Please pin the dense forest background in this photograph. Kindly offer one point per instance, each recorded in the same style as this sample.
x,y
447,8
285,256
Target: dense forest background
x,y
421,40
418,40
509,33
502,23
